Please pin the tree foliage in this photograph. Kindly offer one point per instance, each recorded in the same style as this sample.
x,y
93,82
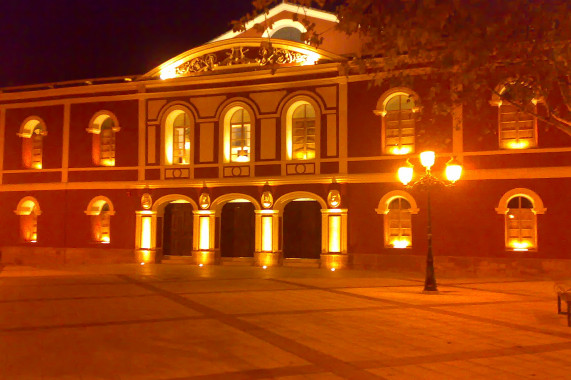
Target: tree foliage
x,y
475,44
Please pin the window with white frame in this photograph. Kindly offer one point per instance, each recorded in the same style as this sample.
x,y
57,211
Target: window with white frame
x,y
521,226
181,139
398,228
28,210
32,133
103,126
399,124
240,130
303,132
517,123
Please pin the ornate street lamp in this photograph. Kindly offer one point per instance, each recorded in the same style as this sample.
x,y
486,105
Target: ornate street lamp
x,y
428,182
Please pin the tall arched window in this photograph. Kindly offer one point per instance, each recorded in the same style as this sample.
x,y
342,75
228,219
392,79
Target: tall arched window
x,y
520,207
100,210
28,209
240,129
178,137
397,109
303,132
33,131
103,126
397,207
517,126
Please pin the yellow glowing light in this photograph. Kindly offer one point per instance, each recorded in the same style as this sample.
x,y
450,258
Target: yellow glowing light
x,y
311,59
108,162
520,245
332,269
267,224
168,73
335,233
105,239
146,232
511,216
427,159
453,171
142,263
145,257
405,174
265,267
242,157
518,144
402,243
204,233
200,265
401,150
37,165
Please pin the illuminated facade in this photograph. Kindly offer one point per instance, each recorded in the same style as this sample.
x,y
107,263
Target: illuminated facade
x,y
272,154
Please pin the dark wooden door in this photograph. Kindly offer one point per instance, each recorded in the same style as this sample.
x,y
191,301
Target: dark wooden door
x,y
302,230
177,237
237,230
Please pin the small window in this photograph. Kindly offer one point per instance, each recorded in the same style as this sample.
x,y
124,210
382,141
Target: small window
x,y
399,124
520,225
103,126
398,229
288,33
28,210
181,139
100,211
517,126
240,136
32,132
303,132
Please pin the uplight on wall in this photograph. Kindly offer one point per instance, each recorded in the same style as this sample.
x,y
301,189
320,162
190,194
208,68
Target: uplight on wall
x,y
267,231
401,243
401,150
204,243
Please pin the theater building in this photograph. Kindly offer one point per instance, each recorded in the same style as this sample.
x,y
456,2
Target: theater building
x,y
241,151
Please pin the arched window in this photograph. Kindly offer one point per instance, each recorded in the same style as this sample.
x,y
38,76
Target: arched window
x,y
240,131
302,121
521,207
100,209
28,209
33,131
303,132
286,29
517,126
178,135
397,109
397,207
103,126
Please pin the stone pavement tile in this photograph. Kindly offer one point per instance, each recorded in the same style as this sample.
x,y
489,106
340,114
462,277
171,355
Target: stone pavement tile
x,y
220,285
393,333
316,376
87,311
351,282
521,366
284,301
533,314
79,289
413,295
162,350
543,289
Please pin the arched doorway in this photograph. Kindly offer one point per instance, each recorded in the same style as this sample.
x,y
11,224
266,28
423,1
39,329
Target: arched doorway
x,y
177,229
237,229
302,229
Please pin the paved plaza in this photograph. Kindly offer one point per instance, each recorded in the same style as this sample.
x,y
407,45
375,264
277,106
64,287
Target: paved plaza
x,y
235,322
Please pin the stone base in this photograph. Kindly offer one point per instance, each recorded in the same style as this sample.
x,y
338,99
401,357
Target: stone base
x,y
146,256
334,261
456,266
50,256
268,259
206,257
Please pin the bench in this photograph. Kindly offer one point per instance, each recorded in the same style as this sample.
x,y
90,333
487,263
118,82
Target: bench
x,y
564,295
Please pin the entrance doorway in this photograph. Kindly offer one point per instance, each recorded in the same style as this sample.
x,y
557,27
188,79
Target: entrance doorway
x,y
177,227
302,230
237,230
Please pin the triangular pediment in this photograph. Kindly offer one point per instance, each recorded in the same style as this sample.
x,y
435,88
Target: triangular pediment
x,y
241,53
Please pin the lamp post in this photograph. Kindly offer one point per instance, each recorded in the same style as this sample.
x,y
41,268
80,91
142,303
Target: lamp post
x,y
428,182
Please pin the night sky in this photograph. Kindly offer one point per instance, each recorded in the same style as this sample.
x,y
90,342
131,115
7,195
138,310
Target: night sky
x,y
57,40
